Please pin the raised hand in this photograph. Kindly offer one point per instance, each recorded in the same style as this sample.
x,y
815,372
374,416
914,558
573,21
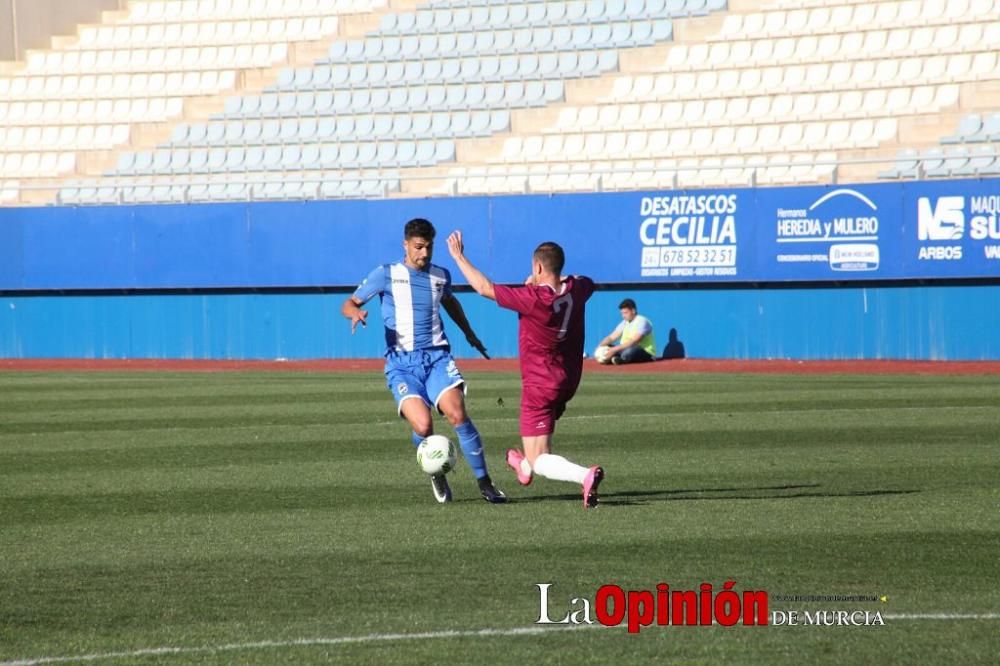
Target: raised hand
x,y
455,245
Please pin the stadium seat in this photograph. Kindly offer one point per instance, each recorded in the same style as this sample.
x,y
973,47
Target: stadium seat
x,y
234,159
969,125
311,156
989,130
955,160
796,80
270,130
981,161
907,165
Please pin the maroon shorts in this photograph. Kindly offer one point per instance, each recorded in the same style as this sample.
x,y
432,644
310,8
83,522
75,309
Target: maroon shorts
x,y
541,407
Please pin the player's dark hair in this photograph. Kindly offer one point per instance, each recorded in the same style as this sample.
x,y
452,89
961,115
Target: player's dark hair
x,y
418,227
551,256
627,303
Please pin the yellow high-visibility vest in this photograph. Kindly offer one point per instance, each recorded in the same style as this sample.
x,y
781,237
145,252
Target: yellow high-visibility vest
x,y
648,341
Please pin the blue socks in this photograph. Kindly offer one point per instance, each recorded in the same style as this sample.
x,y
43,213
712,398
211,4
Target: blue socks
x,y
472,447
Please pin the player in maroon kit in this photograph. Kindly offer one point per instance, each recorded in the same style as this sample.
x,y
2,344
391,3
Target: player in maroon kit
x,y
550,342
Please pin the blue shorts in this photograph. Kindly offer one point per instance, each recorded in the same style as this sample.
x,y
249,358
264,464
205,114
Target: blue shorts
x,y
425,374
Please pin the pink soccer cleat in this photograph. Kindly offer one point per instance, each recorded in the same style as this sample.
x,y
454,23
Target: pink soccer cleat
x,y
590,483
514,458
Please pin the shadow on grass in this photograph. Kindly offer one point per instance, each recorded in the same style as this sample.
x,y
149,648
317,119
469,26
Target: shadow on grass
x,y
639,497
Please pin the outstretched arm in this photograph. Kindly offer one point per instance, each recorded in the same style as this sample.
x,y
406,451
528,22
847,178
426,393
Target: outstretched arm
x,y
607,341
625,344
455,310
617,333
372,285
478,281
352,310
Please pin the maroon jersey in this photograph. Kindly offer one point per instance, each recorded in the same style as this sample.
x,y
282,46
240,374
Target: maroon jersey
x,y
550,331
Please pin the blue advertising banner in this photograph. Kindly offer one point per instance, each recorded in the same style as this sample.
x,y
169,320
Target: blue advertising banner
x,y
696,236
951,229
824,233
883,231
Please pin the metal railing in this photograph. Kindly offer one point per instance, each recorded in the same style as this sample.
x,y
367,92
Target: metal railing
x,y
389,182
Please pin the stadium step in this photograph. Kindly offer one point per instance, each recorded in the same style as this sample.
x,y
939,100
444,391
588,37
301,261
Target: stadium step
x,y
636,61
696,29
587,91
747,6
112,16
983,96
405,5
917,131
472,151
356,26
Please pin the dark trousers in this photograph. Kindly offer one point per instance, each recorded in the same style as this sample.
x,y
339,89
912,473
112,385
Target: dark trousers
x,y
635,355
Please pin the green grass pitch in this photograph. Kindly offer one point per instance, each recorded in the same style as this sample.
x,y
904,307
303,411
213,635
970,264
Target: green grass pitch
x,y
219,518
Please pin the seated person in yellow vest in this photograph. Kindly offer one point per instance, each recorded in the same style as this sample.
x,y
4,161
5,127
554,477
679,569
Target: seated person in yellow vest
x,y
634,334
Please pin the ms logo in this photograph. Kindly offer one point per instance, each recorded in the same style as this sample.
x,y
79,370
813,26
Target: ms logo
x,y
944,221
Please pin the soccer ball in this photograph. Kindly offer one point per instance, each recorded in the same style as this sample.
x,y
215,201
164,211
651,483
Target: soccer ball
x,y
436,455
602,355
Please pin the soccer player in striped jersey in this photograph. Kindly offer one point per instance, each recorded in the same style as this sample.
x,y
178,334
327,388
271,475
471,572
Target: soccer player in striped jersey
x,y
550,337
419,368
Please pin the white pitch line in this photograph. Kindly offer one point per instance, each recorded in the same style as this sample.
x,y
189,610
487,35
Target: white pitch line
x,y
299,642
941,616
378,638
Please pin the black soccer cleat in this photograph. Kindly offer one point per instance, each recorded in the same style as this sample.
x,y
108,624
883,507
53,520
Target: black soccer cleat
x,y
490,492
442,491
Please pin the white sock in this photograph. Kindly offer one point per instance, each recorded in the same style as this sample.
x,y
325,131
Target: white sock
x,y
558,468
525,466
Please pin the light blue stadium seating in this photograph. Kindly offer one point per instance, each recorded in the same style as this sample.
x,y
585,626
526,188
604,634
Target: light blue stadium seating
x,y
907,165
937,162
981,161
401,96
975,128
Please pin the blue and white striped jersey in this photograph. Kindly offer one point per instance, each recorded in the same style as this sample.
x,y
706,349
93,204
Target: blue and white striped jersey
x,y
411,304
